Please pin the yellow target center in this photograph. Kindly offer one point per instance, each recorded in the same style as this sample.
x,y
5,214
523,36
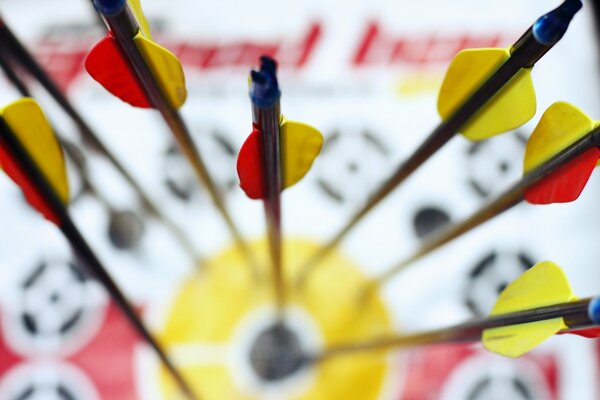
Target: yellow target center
x,y
222,334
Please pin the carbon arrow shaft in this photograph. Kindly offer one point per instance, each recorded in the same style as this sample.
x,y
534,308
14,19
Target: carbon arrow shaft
x,y
93,265
11,47
526,51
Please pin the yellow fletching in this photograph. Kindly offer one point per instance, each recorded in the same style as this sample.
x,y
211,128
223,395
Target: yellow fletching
x,y
561,125
136,8
510,108
26,119
516,340
542,285
301,144
463,76
165,67
596,124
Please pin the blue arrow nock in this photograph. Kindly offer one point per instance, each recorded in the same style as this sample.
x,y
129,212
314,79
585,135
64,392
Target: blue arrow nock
x,y
549,28
109,8
594,310
264,88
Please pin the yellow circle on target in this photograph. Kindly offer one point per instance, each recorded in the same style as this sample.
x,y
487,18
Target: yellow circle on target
x,y
214,312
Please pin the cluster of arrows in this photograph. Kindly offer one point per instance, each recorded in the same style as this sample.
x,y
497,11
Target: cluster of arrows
x,y
485,92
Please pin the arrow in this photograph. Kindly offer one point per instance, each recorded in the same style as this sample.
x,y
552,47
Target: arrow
x,y
560,156
276,155
537,305
265,94
31,156
485,92
142,73
12,48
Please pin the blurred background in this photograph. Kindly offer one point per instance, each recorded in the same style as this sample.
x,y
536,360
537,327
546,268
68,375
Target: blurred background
x,y
366,73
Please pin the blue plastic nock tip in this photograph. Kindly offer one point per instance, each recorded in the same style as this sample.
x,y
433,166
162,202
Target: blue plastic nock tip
x,y
268,65
264,88
549,28
594,310
109,8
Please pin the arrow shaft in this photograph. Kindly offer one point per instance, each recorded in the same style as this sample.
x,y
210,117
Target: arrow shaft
x,y
524,54
511,197
268,119
576,315
124,27
10,45
12,75
93,265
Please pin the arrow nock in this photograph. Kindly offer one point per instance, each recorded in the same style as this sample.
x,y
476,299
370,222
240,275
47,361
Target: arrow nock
x,y
550,27
264,88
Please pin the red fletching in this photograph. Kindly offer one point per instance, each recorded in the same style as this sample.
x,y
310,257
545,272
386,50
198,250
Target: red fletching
x,y
33,198
109,67
249,166
590,333
567,183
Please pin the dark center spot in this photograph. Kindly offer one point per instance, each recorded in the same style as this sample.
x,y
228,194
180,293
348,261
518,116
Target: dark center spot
x,y
54,297
429,219
125,230
353,167
276,353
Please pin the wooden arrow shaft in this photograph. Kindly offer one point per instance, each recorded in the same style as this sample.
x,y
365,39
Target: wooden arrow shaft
x,y
92,264
575,315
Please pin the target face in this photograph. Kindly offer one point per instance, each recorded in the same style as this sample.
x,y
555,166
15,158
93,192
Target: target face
x,y
349,164
367,75
51,381
493,164
55,309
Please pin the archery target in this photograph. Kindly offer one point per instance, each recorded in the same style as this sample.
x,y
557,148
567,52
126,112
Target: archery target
x,y
466,372
350,164
47,381
365,73
55,309
479,379
490,275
